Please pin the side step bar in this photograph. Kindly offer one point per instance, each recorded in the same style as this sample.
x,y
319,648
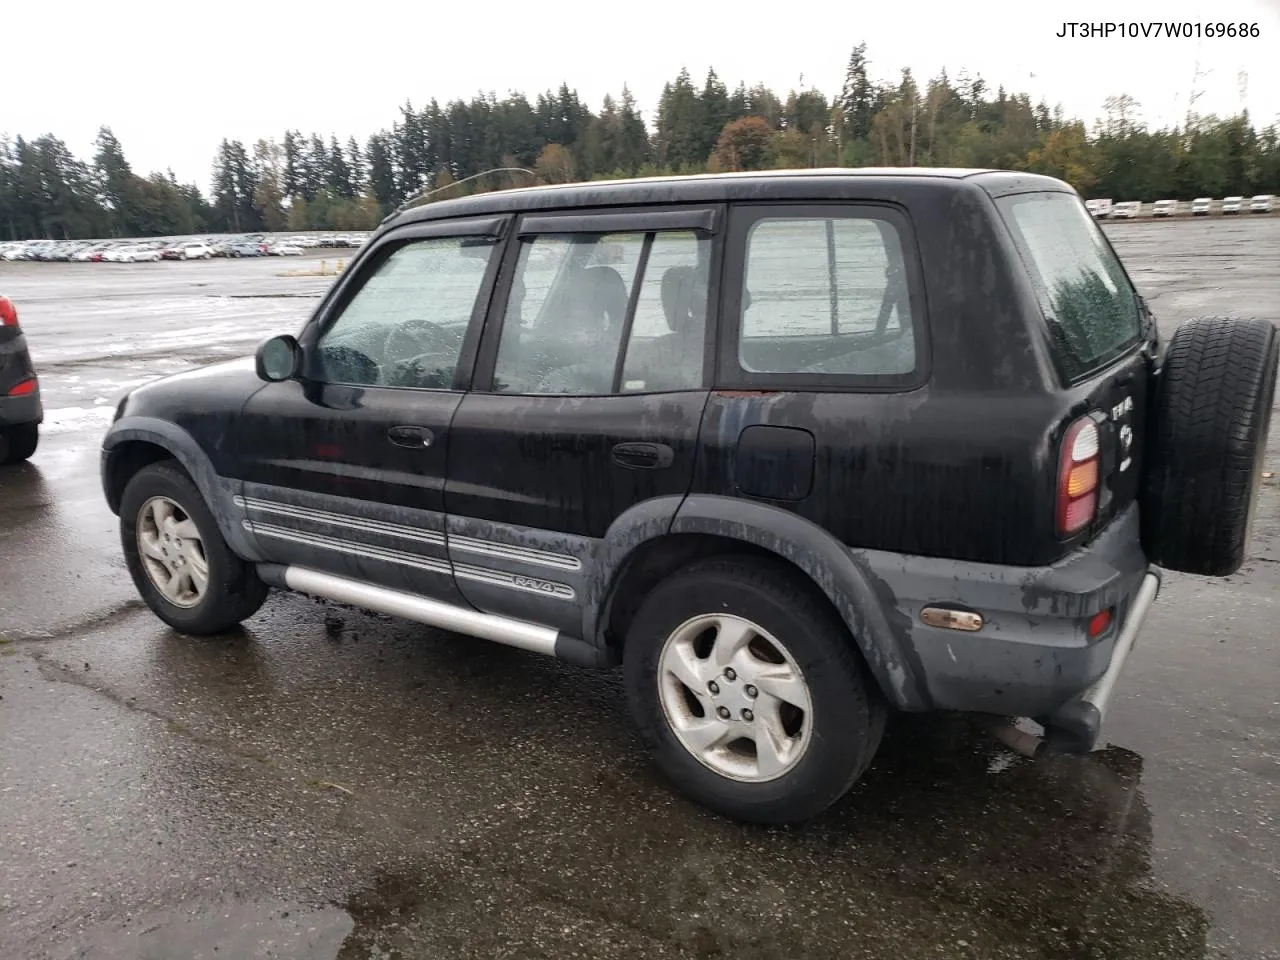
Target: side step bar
x,y
434,613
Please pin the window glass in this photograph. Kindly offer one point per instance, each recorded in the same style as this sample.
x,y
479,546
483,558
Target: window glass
x,y
826,296
565,314
665,349
405,326
1088,301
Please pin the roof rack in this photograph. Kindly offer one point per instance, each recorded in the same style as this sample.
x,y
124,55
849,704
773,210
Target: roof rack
x,y
422,195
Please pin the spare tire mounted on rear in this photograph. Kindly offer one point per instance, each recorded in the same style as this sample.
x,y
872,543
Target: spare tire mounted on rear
x,y
1207,440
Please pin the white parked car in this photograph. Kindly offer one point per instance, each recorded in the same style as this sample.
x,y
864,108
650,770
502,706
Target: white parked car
x,y
140,254
1232,204
1164,208
197,251
1099,208
1262,203
1201,206
286,249
1127,209
303,241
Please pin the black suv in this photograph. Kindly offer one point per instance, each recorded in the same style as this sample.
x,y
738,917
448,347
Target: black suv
x,y
794,448
21,411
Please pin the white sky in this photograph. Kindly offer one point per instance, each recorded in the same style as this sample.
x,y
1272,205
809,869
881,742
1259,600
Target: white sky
x,y
172,79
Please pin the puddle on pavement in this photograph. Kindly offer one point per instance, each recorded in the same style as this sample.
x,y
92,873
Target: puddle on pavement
x,y
949,847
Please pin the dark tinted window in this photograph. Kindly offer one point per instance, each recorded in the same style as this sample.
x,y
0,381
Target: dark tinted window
x,y
1087,299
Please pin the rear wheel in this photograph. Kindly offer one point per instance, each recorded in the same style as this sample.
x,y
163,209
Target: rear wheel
x,y
182,567
750,691
18,443
1208,438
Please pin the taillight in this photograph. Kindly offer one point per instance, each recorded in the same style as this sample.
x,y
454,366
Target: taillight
x,y
1098,624
8,313
24,389
1078,476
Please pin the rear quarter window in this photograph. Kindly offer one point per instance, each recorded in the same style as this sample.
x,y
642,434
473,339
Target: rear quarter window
x,y
1088,302
825,299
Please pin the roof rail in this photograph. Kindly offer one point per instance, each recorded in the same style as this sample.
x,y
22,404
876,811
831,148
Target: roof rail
x,y
422,195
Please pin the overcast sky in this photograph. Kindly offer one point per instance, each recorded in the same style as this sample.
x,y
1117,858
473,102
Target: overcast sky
x,y
172,79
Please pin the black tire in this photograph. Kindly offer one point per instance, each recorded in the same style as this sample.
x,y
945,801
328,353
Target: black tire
x,y
18,443
234,592
848,715
1206,442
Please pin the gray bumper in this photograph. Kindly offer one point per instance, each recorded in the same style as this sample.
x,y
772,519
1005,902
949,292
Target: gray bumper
x,y
1033,655
1076,724
17,410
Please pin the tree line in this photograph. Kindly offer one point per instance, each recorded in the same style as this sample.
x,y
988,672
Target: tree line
x,y
307,181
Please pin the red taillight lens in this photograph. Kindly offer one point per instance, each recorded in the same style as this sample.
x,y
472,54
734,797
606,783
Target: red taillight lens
x,y
8,313
1098,625
1078,476
25,388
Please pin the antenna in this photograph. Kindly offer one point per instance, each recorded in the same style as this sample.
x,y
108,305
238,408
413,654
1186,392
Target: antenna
x,y
422,195
1242,81
1196,92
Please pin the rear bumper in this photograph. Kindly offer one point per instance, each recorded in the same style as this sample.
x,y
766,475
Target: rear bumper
x,y
18,410
1077,723
1033,656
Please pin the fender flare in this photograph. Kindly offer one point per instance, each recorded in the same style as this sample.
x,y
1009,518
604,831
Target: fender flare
x,y
864,601
218,492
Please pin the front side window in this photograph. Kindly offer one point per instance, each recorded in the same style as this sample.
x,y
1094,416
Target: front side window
x,y
1088,302
567,316
406,324
825,296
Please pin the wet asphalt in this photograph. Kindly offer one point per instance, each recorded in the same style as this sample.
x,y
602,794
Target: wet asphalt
x,y
327,783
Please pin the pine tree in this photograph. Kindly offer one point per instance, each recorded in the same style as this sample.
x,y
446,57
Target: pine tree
x,y
855,96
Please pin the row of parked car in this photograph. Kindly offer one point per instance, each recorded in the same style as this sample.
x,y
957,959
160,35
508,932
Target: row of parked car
x,y
1200,207
189,248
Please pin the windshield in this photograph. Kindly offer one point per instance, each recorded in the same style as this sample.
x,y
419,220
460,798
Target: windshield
x,y
1087,299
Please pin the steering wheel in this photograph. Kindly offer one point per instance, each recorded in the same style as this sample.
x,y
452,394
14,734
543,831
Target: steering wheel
x,y
411,333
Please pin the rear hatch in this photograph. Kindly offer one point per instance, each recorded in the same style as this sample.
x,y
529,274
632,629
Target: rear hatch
x,y
1102,338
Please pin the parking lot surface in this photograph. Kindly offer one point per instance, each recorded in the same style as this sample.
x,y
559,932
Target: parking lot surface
x,y
332,784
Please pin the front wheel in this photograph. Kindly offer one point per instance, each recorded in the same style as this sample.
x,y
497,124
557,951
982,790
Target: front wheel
x,y
182,567
750,691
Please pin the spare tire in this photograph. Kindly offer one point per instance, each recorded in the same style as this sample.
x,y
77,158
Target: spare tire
x,y
1207,435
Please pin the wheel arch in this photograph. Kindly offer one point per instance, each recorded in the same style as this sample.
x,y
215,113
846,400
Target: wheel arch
x,y
651,540
133,443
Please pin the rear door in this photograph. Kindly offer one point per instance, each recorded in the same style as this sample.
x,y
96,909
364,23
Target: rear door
x,y
344,468
588,396
1098,329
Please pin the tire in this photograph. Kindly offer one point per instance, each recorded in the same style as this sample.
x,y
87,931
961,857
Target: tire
x,y
233,591
18,443
845,721
1206,444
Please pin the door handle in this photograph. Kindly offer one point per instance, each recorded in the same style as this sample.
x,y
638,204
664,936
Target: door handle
x,y
417,437
650,456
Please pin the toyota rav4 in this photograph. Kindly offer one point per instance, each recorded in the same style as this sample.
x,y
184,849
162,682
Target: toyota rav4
x,y
794,449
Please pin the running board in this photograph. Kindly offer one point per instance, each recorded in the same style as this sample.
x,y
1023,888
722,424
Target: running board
x,y
434,613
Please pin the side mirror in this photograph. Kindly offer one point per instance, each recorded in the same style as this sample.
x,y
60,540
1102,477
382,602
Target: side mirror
x,y
279,358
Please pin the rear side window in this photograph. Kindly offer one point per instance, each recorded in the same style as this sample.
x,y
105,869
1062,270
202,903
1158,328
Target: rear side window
x,y
825,295
1090,305
598,314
